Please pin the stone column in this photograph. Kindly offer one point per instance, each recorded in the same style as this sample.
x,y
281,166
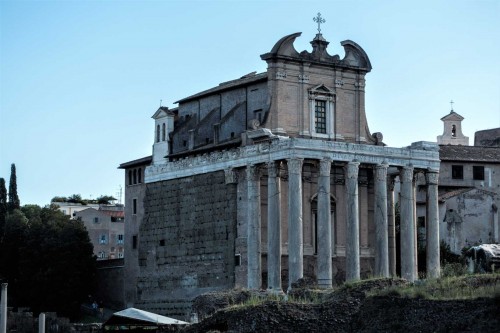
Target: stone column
x,y
324,226
273,227
254,277
295,231
41,323
432,241
352,214
407,233
3,309
380,217
391,221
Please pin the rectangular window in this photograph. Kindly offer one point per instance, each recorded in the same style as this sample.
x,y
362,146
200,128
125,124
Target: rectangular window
x,y
478,172
457,172
120,254
320,116
103,239
119,239
134,206
96,220
134,242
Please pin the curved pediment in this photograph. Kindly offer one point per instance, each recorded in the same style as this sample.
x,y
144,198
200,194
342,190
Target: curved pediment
x,y
355,56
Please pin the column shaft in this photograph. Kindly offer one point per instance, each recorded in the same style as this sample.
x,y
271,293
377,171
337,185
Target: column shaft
x,y
324,224
432,241
380,216
273,227
407,227
295,231
391,221
254,277
3,309
352,214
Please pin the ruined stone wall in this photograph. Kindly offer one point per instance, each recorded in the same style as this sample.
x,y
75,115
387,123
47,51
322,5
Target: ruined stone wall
x,y
187,242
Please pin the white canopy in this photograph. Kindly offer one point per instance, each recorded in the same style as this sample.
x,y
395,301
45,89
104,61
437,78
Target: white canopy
x,y
134,313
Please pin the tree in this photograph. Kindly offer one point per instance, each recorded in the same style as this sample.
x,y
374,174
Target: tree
x,y
76,198
59,199
14,202
15,228
3,205
105,199
57,266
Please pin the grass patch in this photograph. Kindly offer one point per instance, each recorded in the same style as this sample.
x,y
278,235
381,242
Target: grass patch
x,y
447,288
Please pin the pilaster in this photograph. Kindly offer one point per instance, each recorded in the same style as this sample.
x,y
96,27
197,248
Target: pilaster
x,y
295,231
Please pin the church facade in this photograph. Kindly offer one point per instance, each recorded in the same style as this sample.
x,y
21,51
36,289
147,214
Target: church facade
x,y
273,177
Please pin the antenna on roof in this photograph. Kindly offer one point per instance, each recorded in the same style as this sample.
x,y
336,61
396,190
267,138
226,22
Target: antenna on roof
x,y
160,102
451,103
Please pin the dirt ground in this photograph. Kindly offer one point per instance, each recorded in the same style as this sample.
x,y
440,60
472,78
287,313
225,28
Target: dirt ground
x,y
347,309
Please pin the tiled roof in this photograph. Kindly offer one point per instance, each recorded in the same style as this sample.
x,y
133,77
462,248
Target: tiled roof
x,y
469,153
114,213
450,194
244,80
453,193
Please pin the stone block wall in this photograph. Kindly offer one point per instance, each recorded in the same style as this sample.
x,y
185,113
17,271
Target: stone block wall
x,y
187,242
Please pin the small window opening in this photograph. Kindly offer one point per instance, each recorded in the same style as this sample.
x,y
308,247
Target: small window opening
x,y
158,133
478,172
134,242
453,131
135,176
139,175
184,143
457,172
163,132
134,206
207,140
237,260
162,242
232,135
130,177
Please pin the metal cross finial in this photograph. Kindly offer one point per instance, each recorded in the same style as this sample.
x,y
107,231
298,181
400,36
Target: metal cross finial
x,y
318,19
451,103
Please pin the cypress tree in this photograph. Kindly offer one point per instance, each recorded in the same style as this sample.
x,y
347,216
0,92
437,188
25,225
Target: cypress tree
x,y
14,202
3,205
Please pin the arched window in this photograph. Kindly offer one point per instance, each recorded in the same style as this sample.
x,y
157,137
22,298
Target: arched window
x,y
163,132
453,131
130,177
135,176
158,133
139,176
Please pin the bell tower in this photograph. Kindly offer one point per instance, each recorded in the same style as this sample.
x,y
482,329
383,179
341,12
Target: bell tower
x,y
452,132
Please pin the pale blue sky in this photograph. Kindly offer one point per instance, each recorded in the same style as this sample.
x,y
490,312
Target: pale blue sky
x,y
79,80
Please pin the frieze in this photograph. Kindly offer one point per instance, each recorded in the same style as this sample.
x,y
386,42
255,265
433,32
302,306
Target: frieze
x,y
285,148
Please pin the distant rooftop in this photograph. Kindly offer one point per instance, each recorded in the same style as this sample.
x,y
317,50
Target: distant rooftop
x,y
469,153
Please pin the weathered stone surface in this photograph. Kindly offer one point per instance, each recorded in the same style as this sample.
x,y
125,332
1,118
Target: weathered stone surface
x,y
187,242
